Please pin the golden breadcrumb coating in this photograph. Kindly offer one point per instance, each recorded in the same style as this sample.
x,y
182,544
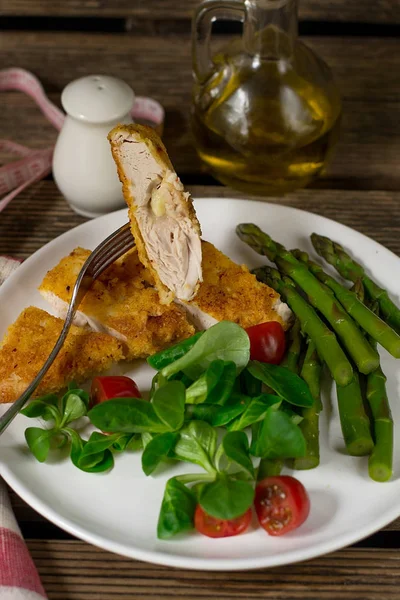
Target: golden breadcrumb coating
x,y
230,292
29,341
122,302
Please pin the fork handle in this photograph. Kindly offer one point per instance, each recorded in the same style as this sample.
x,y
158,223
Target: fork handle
x,y
77,295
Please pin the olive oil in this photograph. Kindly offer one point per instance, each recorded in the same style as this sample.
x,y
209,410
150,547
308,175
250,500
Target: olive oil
x,y
266,121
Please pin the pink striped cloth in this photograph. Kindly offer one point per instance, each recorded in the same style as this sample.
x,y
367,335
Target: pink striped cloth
x,y
19,579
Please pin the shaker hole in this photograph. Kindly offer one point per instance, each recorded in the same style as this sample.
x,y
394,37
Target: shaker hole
x,y
100,87
96,78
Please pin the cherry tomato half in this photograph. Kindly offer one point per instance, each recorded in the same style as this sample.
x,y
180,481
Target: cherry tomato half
x,y
282,504
217,528
267,342
107,387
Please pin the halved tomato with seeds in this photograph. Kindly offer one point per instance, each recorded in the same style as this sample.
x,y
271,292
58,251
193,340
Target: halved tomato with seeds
x,y
282,504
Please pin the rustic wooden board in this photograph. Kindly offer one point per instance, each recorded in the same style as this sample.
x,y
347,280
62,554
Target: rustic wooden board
x,y
366,156
40,214
365,68
380,11
73,570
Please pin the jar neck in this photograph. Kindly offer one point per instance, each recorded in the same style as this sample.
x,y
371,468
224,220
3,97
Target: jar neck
x,y
270,28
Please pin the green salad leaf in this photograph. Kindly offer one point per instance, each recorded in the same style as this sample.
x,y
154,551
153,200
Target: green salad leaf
x,y
286,384
164,358
278,437
221,393
225,341
177,510
236,448
75,391
226,498
127,415
199,390
169,404
215,415
197,444
38,441
250,385
96,458
41,409
157,450
254,411
74,408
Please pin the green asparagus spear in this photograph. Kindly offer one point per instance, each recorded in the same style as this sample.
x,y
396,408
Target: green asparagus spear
x,y
348,268
380,464
311,373
353,419
365,357
325,340
292,357
269,468
369,321
381,459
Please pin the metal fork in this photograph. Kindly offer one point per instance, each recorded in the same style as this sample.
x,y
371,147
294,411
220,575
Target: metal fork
x,y
102,257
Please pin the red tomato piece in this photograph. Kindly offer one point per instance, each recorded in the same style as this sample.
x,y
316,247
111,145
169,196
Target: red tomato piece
x,y
282,504
107,387
217,528
267,342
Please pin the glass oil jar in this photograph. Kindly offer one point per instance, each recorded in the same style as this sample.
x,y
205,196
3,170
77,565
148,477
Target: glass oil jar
x,y
266,111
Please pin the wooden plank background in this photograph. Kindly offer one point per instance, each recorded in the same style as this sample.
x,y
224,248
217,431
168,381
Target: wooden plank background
x,y
89,573
376,11
367,155
40,214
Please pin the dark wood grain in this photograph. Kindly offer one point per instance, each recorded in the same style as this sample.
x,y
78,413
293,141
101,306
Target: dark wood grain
x,y
76,571
380,11
366,156
40,214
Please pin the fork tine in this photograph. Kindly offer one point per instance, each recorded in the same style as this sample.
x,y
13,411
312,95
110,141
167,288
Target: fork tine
x,y
117,244
109,243
121,248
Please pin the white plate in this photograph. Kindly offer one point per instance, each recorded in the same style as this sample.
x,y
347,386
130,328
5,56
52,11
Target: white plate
x,y
118,511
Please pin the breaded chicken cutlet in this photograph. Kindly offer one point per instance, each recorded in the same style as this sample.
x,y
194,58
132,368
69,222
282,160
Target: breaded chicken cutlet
x,y
120,302
28,343
230,292
161,213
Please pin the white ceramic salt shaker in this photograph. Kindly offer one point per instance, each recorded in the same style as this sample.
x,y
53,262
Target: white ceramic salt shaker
x,y
83,167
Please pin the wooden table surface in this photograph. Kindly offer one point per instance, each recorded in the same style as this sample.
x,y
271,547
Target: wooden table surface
x,y
147,44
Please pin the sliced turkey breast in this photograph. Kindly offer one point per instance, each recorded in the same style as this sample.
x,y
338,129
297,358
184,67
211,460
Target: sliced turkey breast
x,y
161,213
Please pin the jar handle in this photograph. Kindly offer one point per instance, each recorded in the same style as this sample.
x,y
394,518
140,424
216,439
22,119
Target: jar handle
x,y
208,12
